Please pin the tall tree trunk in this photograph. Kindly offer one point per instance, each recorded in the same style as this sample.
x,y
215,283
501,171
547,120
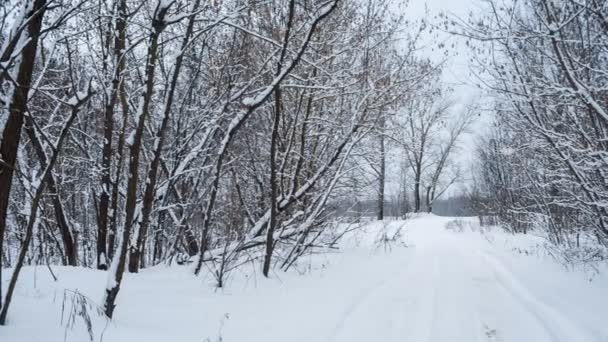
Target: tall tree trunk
x,y
108,133
273,185
382,176
273,152
11,133
112,229
417,178
429,200
136,252
118,264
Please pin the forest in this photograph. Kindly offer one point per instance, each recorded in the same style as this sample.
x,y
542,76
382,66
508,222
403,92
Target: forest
x,y
222,136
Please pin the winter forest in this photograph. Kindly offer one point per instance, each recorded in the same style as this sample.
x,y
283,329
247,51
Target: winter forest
x,y
303,170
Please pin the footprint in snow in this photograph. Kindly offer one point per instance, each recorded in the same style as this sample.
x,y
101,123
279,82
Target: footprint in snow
x,y
492,335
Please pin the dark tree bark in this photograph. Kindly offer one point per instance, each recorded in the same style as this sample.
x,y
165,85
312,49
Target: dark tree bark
x,y
272,223
429,200
108,133
11,133
112,229
417,178
158,26
135,256
382,176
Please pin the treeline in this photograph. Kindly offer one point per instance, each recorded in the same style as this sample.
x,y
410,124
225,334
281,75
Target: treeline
x,y
544,164
138,132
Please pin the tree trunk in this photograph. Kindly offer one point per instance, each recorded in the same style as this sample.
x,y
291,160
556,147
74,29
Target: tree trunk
x,y
11,134
273,185
429,200
382,178
417,189
135,256
106,159
274,191
119,262
112,229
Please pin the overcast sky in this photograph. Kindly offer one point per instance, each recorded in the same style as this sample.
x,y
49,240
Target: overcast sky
x,y
456,71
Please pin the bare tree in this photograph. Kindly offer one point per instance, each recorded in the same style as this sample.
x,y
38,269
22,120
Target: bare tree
x,y
39,185
442,153
542,167
424,116
19,54
218,133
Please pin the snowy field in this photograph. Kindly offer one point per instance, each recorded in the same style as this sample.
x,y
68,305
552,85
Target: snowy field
x,y
436,285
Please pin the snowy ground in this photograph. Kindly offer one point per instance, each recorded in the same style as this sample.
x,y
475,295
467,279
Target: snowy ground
x,y
447,285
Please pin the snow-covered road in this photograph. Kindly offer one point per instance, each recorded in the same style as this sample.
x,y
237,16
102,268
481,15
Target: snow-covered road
x,y
445,286
454,287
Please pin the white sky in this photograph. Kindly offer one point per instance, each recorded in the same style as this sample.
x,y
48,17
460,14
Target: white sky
x,y
456,71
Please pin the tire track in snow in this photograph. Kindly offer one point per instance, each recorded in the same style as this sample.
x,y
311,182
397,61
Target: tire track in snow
x,y
559,327
386,304
433,301
362,298
455,317
356,302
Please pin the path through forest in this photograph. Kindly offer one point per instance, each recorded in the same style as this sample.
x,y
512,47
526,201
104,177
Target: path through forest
x,y
446,285
454,286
